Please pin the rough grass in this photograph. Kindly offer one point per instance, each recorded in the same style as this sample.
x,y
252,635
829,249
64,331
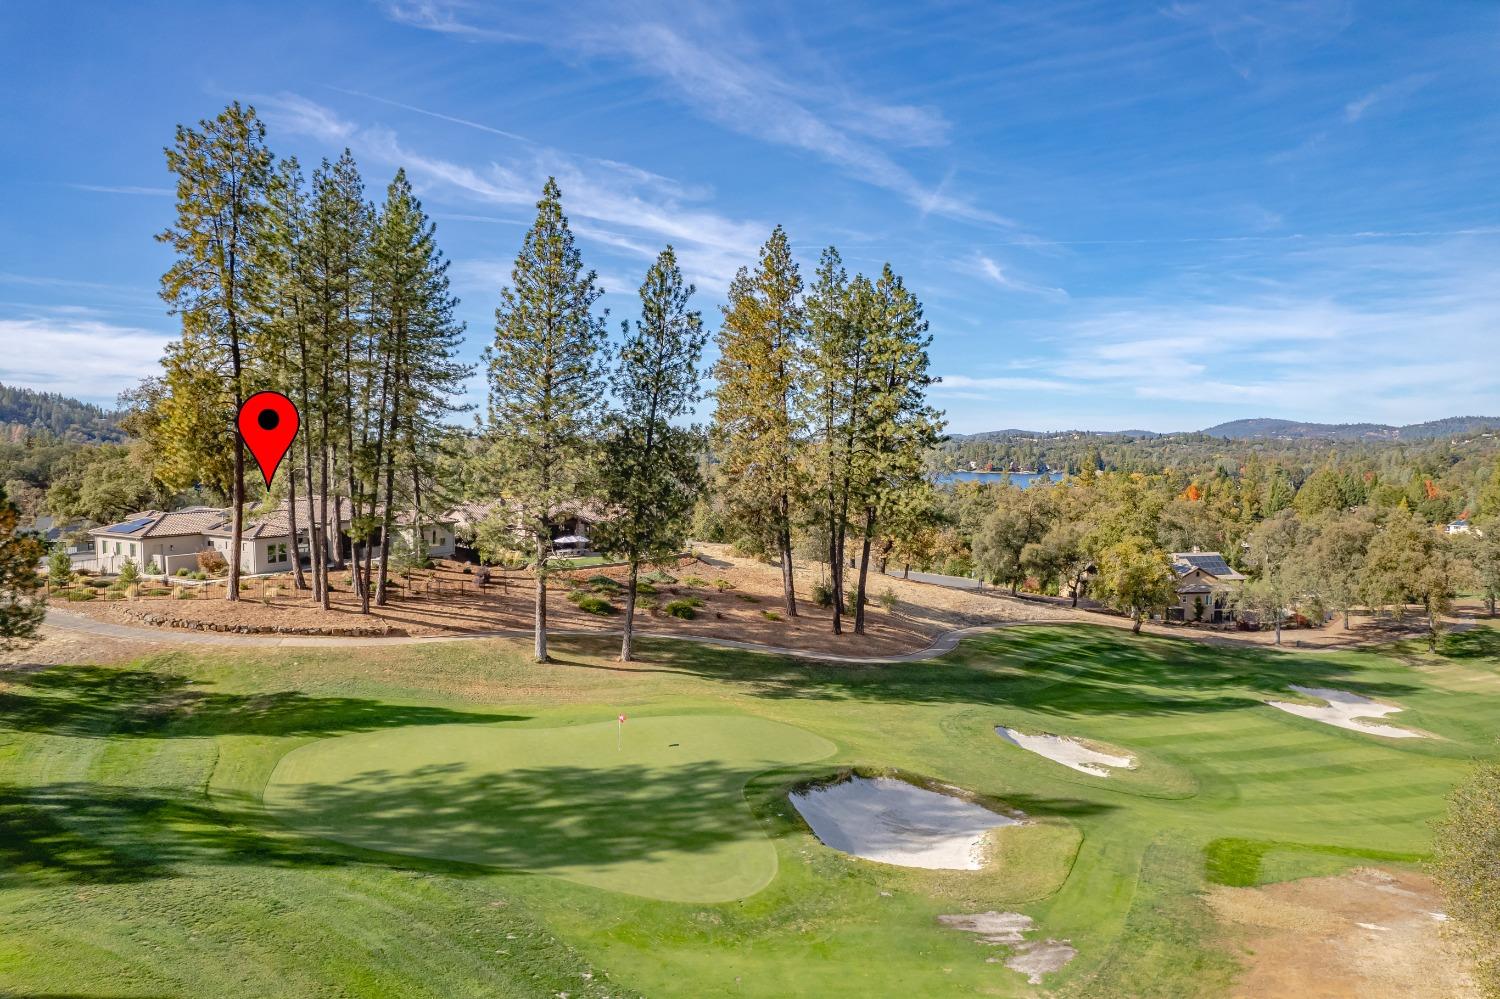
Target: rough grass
x,y
137,857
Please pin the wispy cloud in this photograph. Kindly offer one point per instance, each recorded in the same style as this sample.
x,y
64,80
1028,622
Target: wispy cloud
x,y
159,192
991,271
85,358
445,16
714,70
1393,91
621,206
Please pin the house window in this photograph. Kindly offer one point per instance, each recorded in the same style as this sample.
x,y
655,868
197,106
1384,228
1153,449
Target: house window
x,y
276,554
117,548
132,549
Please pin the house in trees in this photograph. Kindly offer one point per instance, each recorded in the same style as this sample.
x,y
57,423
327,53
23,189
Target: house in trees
x,y
1205,587
172,540
570,527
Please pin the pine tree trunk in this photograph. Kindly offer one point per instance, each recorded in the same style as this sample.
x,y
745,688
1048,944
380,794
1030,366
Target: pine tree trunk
x,y
627,639
237,528
834,573
540,652
864,571
788,582
298,582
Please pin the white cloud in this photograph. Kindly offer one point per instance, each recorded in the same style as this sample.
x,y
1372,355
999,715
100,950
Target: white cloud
x,y
989,269
87,359
713,68
619,205
122,189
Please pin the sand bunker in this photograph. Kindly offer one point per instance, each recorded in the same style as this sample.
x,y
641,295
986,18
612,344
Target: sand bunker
x,y
1344,710
893,822
1032,958
1069,752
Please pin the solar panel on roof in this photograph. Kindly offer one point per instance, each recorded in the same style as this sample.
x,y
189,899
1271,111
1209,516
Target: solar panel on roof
x,y
129,526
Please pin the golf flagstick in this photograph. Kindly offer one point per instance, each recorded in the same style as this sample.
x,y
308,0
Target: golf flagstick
x,y
620,734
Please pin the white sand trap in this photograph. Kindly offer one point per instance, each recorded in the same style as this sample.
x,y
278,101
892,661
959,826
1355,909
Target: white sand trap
x,y
893,822
1068,752
1344,710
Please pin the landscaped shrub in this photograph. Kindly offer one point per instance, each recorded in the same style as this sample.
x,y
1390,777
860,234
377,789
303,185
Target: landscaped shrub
x,y
182,572
770,615
591,604
603,584
156,591
749,598
683,608
152,569
183,593
97,584
211,560
660,577
200,575
643,588
851,599
822,595
128,572
79,595
60,567
887,599
694,581
722,585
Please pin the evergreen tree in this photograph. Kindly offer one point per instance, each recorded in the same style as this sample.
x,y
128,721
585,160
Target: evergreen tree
x,y
21,608
901,427
756,434
223,170
412,313
546,374
651,479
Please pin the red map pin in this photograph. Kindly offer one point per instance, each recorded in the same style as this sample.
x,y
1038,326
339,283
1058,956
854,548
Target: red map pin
x,y
268,421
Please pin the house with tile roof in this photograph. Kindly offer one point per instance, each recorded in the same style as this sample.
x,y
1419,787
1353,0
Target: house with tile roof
x,y
1205,587
173,540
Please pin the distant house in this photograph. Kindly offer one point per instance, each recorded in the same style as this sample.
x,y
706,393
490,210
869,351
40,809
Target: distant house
x,y
1205,587
569,527
173,539
1460,526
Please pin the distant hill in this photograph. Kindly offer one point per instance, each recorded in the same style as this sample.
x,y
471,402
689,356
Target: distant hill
x,y
1270,429
24,410
1290,429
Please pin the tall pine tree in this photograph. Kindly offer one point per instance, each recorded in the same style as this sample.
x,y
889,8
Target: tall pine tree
x,y
223,173
651,479
756,431
546,373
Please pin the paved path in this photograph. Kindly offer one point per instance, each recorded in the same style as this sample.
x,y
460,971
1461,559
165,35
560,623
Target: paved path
x,y
937,579
71,621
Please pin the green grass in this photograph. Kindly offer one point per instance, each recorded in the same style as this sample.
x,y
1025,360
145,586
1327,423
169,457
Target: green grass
x,y
656,809
451,820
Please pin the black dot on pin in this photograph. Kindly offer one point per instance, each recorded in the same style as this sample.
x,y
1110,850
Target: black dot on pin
x,y
268,419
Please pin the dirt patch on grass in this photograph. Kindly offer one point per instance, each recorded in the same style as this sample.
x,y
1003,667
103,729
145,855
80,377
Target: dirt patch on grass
x,y
732,595
1365,933
1032,958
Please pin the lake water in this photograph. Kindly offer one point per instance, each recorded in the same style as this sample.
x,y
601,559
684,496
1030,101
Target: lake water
x,y
1019,479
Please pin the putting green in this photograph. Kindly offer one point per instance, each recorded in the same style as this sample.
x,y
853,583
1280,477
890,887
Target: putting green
x,y
662,815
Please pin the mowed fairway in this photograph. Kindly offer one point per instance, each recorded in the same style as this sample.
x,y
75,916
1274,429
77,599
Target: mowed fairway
x,y
660,814
453,821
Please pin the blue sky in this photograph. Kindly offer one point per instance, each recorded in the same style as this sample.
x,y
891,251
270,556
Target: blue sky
x,y
1118,215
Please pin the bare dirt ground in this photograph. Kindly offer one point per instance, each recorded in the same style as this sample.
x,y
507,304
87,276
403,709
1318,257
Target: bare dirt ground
x,y
1365,934
447,601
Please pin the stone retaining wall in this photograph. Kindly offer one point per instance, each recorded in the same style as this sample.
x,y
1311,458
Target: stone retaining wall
x,y
187,624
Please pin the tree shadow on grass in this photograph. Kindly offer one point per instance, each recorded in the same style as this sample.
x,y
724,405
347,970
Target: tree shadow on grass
x,y
1069,670
132,701
541,819
1480,642
538,819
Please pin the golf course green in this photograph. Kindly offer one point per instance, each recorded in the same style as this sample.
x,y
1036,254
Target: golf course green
x,y
654,808
451,820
